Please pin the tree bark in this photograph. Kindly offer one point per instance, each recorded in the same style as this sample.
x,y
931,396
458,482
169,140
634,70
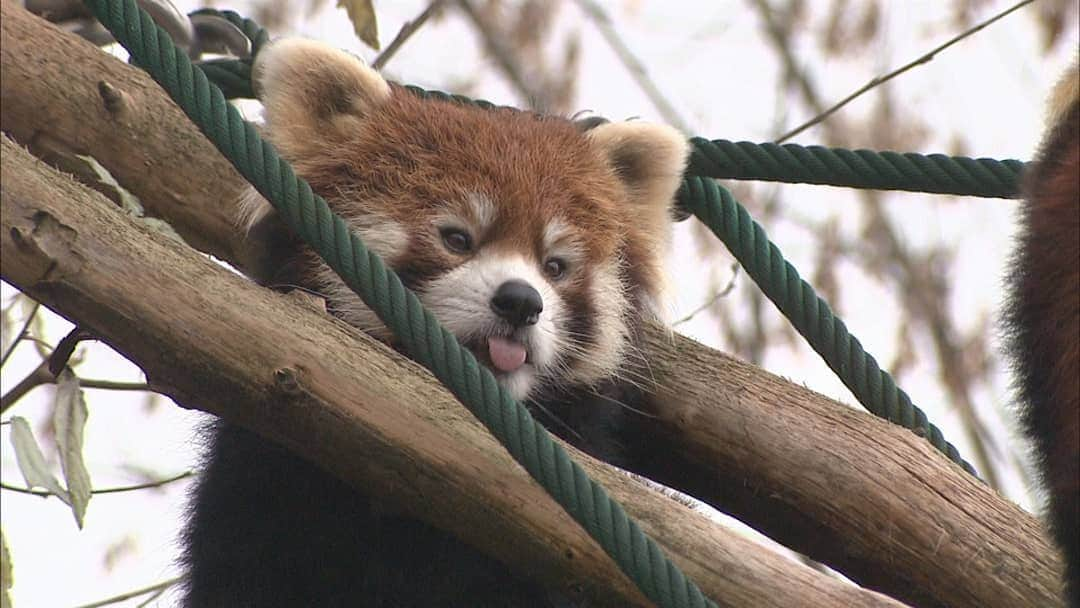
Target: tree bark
x,y
211,340
870,499
60,95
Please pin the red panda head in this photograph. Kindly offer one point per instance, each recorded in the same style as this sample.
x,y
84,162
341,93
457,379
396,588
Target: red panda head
x,y
538,245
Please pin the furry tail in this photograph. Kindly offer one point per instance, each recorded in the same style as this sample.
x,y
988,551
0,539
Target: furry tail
x,y
1044,321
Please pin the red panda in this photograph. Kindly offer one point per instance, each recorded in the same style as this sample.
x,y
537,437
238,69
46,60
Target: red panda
x,y
1043,321
538,243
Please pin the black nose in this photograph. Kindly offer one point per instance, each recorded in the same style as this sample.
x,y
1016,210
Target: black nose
x,y
518,303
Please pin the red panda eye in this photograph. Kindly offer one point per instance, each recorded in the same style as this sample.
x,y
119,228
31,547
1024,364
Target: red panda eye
x,y
456,240
555,268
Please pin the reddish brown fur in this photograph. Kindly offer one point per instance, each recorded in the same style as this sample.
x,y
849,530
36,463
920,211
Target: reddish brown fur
x,y
1045,323
407,158
401,171
410,157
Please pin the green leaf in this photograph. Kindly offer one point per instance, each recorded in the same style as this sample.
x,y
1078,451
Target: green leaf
x,y
69,420
362,15
6,580
32,462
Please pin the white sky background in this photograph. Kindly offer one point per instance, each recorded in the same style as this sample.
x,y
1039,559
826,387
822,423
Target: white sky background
x,y
712,62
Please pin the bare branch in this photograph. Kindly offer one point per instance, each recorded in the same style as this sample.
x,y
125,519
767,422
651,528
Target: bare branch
x,y
878,80
156,588
19,336
34,379
887,256
116,490
633,65
716,296
403,35
498,47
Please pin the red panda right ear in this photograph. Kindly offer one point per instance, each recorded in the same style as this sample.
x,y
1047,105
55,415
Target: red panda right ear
x,y
311,89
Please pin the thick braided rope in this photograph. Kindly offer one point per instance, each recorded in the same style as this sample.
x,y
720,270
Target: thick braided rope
x,y
426,341
882,397
744,160
792,163
811,316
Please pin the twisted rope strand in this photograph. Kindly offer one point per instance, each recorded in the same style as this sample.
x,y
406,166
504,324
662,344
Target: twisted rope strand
x,y
792,163
808,313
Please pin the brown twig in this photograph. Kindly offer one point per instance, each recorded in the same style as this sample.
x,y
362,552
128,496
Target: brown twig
x,y
41,375
34,379
21,335
116,599
116,490
60,356
403,35
499,48
878,80
633,65
716,296
112,385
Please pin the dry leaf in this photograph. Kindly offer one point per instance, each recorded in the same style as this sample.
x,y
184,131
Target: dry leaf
x,y
69,420
362,15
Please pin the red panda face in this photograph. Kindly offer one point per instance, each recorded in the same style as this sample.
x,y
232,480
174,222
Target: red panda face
x,y
537,245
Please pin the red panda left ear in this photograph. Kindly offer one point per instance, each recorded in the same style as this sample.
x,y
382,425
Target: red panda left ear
x,y
650,160
310,89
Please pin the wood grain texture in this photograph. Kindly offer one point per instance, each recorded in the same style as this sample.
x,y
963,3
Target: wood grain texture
x,y
62,95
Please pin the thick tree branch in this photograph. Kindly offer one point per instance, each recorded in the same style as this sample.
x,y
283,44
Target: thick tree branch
x,y
61,95
288,371
869,499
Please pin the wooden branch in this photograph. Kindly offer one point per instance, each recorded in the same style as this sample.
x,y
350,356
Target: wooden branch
x,y
867,498
286,370
61,95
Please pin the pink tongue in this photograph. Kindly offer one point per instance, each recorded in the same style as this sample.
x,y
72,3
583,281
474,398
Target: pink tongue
x,y
506,355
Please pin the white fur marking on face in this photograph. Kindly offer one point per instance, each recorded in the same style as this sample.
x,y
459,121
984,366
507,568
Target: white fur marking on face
x,y
382,235
475,214
483,211
560,241
612,334
461,298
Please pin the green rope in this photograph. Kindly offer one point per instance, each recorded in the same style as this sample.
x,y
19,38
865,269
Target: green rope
x,y
381,289
789,163
233,76
874,388
810,315
792,163
744,160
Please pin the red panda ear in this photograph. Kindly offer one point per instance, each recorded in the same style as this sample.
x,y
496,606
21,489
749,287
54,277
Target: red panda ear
x,y
309,88
1065,95
649,159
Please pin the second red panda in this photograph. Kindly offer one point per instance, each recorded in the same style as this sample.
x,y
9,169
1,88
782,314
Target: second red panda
x,y
1043,320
